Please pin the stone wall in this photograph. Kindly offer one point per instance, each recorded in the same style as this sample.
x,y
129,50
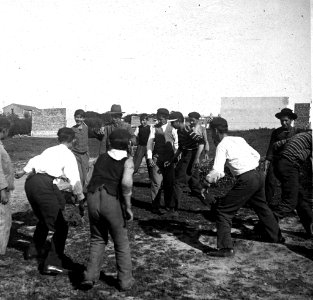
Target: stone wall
x,y
47,122
303,112
244,113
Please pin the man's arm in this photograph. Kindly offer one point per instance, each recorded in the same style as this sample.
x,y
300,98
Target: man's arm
x,y
127,185
218,167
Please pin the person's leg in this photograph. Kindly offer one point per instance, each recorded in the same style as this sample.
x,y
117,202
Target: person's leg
x,y
179,180
58,239
112,213
304,210
98,238
266,216
156,181
39,190
270,185
244,188
194,178
139,154
288,175
85,169
168,186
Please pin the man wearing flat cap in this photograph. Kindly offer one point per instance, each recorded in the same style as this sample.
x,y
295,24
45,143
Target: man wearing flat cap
x,y
105,131
242,160
194,120
161,146
286,117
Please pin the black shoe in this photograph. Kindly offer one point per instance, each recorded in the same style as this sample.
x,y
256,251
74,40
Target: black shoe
x,y
87,284
156,211
53,270
224,252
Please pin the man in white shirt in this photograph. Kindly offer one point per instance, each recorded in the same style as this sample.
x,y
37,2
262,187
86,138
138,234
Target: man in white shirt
x,y
47,200
242,160
161,146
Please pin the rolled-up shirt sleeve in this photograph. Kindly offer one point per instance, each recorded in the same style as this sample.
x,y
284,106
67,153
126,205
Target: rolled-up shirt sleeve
x,y
127,180
150,143
219,164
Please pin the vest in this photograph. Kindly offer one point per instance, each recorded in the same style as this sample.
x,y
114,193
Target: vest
x,y
164,142
143,135
108,173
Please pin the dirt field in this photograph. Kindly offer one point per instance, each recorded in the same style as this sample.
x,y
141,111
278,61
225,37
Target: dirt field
x,y
169,259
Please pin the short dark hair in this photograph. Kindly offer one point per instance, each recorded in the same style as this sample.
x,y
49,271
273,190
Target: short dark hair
x,y
119,139
194,115
80,112
220,124
66,134
143,117
176,116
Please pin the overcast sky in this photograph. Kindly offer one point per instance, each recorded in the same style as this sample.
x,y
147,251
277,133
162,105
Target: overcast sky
x,y
184,55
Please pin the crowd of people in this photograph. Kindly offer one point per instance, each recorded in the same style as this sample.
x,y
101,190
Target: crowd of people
x,y
172,149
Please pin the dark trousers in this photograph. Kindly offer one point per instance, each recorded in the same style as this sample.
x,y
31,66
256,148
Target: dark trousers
x,y
270,185
186,174
249,188
141,152
293,196
159,174
105,215
47,203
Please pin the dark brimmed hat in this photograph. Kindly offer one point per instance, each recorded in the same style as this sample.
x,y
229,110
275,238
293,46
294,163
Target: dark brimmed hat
x,y
286,112
116,109
176,115
218,122
194,115
163,111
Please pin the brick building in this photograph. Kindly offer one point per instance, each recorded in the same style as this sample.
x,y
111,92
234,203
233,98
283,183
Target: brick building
x,y
47,122
20,110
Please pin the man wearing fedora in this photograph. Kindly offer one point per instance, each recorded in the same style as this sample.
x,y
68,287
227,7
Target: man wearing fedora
x,y
116,116
286,117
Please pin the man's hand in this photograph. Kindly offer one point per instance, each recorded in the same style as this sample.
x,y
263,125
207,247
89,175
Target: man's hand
x,y
151,163
19,174
129,214
266,166
206,156
4,196
196,163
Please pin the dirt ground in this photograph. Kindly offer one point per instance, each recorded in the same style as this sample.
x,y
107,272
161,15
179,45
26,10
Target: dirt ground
x,y
169,259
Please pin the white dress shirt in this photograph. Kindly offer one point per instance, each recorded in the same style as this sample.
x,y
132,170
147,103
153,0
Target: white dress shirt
x,y
150,142
238,155
58,161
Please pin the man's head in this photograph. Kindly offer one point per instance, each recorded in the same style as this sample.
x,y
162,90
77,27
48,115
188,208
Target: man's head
x,y
286,116
162,115
4,128
177,119
79,116
219,128
66,136
116,114
143,119
119,139
194,118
